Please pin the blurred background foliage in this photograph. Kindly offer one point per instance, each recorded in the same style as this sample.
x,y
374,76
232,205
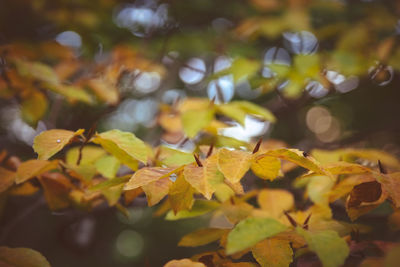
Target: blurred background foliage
x,y
327,69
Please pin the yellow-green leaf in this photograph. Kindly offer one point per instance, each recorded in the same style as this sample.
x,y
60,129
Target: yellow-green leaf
x,y
31,168
21,257
33,107
124,146
107,166
37,70
273,252
330,248
90,154
199,208
201,237
194,121
318,189
48,143
250,231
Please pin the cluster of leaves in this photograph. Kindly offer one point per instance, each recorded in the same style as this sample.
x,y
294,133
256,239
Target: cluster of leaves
x,y
265,222
33,75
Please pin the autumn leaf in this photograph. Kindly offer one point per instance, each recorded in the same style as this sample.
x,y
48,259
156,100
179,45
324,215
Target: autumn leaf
x,y
330,248
56,190
184,263
194,121
199,208
37,70
33,107
174,158
273,252
343,167
201,237
48,143
124,146
32,168
23,257
89,155
249,232
107,166
71,93
180,194
318,189
109,183
233,164
275,201
6,179
265,167
104,90
391,183
155,191
365,192
147,175
298,157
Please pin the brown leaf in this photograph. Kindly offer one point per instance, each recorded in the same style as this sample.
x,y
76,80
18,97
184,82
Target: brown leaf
x,y
365,192
6,179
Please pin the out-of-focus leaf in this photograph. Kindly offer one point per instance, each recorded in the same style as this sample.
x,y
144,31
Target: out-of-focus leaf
x,y
273,252
391,183
330,248
184,263
37,70
147,175
201,237
48,143
343,167
112,194
107,166
6,179
233,164
155,191
180,194
124,146
232,111
243,68
25,189
109,183
71,93
82,172
249,232
104,90
22,257
31,168
33,107
256,110
267,168
345,186
194,121
275,201
318,189
200,207
56,189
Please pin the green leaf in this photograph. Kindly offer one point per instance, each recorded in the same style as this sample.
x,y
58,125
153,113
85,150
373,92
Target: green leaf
x,y
330,248
37,70
48,143
243,68
109,183
253,109
89,155
250,231
124,146
71,93
21,257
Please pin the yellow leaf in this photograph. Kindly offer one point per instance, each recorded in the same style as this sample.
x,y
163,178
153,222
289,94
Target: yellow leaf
x,y
71,93
37,70
391,184
275,201
104,90
21,257
273,252
25,189
199,208
147,175
201,237
48,143
31,168
267,168
112,194
33,107
181,194
155,191
343,167
183,263
255,110
174,158
298,157
233,164
6,179
124,146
